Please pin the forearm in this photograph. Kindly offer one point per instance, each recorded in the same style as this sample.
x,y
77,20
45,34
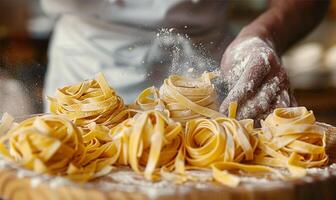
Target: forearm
x,y
286,21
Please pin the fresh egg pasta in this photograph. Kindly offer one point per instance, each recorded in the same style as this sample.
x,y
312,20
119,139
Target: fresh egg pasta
x,y
291,138
90,101
164,133
51,144
153,141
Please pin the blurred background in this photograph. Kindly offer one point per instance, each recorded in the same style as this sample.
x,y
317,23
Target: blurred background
x,y
25,33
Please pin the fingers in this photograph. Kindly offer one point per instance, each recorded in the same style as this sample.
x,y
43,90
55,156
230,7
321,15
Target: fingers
x,y
273,93
249,68
261,102
281,100
242,54
256,69
255,79
237,94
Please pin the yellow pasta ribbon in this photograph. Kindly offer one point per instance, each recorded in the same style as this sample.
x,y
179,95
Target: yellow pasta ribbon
x,y
52,144
147,100
205,142
153,141
99,150
224,139
221,173
121,134
188,99
233,109
291,138
90,101
221,144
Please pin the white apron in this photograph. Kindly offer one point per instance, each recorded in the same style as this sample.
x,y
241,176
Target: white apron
x,y
117,38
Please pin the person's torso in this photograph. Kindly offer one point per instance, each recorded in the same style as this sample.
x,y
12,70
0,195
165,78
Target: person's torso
x,y
197,15
120,38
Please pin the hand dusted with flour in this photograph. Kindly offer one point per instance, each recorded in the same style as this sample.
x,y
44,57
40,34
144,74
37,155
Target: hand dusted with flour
x,y
255,78
251,65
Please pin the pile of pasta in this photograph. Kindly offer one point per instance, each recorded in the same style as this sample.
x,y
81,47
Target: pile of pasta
x,y
164,133
90,101
182,98
53,145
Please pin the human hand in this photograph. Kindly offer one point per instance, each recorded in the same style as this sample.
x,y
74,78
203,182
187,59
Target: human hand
x,y
255,78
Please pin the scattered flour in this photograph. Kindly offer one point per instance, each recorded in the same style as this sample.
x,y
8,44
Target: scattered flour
x,y
123,179
184,57
35,181
319,171
261,100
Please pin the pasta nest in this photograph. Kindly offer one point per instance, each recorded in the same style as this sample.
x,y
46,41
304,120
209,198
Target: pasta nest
x,y
188,99
52,144
90,101
150,141
291,138
225,139
148,100
182,98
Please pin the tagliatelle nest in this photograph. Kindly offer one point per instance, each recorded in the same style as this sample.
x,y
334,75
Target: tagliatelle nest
x,y
152,141
52,144
291,138
90,101
224,139
183,98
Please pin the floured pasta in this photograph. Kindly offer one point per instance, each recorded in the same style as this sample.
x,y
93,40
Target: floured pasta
x,y
221,174
90,101
99,152
291,138
149,99
153,141
121,134
52,144
188,99
172,131
221,144
224,139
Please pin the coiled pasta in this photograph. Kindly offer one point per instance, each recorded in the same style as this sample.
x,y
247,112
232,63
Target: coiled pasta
x,y
224,139
188,99
221,144
148,99
45,144
291,138
153,141
52,144
90,101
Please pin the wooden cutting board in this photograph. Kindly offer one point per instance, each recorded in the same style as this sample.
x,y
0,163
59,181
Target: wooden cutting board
x,y
18,184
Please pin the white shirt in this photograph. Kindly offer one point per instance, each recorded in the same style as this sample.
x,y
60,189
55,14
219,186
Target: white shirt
x,y
117,37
